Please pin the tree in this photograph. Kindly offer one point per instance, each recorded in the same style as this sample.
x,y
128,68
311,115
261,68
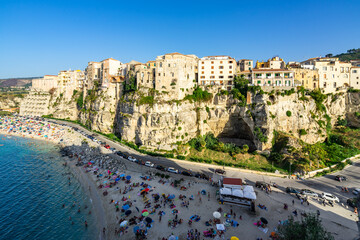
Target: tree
x,y
309,228
329,55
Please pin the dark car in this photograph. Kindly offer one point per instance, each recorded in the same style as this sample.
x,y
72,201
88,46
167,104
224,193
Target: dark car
x,y
292,190
352,202
186,173
220,171
340,178
161,168
261,184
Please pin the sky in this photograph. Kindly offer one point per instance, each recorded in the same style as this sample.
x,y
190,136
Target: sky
x,y
44,37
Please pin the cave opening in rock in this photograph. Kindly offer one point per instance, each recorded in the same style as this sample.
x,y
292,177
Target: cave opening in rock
x,y
237,131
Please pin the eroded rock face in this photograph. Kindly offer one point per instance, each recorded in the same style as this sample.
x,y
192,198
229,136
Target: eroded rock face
x,y
166,123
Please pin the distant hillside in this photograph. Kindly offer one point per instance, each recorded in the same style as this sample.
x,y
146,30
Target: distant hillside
x,y
16,82
351,54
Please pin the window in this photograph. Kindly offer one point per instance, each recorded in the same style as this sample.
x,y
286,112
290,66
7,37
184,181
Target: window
x,y
202,62
324,75
230,71
212,67
354,71
333,76
221,72
331,68
220,61
159,74
334,84
324,68
202,77
230,67
342,69
160,64
221,67
212,62
202,72
175,65
230,61
230,76
169,65
221,77
347,69
212,77
229,82
212,72
172,74
202,67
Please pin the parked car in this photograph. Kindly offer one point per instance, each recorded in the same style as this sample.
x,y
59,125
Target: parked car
x,y
160,167
113,149
292,190
261,184
356,191
186,173
352,202
132,159
220,171
172,170
107,146
309,193
149,164
340,178
330,197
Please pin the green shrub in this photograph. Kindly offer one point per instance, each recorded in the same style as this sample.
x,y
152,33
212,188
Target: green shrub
x,y
302,132
199,95
180,157
288,113
146,100
260,135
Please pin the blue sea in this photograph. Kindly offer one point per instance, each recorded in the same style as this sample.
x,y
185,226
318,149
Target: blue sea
x,y
34,186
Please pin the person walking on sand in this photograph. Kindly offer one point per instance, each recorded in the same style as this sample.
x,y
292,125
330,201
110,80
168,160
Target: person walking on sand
x,y
356,210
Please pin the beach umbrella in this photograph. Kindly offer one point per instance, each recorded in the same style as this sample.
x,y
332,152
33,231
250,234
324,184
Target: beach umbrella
x,y
128,212
123,223
125,207
234,238
122,175
136,228
128,177
148,220
146,189
145,214
144,211
117,179
157,197
217,215
172,196
220,227
263,220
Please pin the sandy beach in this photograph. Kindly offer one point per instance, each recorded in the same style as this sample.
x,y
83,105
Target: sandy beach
x,y
133,201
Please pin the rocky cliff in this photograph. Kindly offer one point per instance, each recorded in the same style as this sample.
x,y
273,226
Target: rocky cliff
x,y
163,125
151,119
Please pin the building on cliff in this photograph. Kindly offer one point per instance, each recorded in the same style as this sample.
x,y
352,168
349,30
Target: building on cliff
x,y
308,78
355,77
110,69
334,75
45,84
176,73
217,70
70,80
272,73
145,74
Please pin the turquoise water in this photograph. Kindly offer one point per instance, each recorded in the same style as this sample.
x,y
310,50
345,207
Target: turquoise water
x,y
34,186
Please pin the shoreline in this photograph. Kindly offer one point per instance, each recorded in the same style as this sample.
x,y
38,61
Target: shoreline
x,y
89,186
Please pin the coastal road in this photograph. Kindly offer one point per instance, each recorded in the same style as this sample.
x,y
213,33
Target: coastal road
x,y
321,184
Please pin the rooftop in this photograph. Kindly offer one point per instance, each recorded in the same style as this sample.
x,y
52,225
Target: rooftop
x,y
232,181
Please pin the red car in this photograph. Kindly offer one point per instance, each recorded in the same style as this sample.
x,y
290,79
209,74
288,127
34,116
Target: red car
x,y
107,146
